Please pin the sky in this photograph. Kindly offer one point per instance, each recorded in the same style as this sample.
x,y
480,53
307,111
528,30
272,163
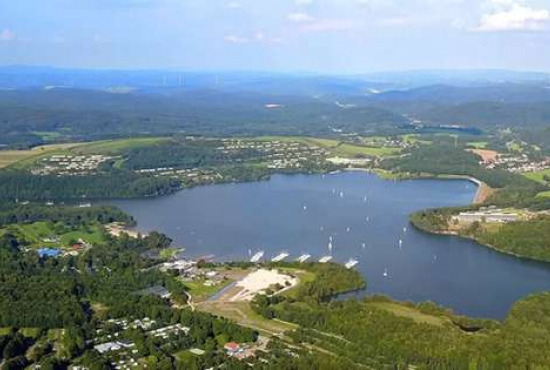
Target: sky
x,y
325,36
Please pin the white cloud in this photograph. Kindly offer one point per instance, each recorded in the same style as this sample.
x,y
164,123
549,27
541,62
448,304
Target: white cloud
x,y
303,2
510,15
7,35
300,17
234,5
326,25
233,39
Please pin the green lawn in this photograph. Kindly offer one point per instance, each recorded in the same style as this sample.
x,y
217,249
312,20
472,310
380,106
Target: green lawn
x,y
114,147
537,176
478,144
35,233
201,292
5,331
30,332
543,195
354,150
324,143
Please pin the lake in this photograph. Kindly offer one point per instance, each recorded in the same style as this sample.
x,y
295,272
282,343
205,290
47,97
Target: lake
x,y
366,217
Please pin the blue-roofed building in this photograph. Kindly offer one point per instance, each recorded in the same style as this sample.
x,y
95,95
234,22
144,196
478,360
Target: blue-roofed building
x,y
49,252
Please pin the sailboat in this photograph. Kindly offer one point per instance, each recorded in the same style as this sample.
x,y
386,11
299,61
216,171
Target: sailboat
x,y
385,274
325,259
257,257
280,257
303,258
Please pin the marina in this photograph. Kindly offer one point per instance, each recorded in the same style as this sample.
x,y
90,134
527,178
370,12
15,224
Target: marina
x,y
231,221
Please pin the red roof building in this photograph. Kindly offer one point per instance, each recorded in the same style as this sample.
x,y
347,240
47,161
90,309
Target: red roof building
x,y
232,347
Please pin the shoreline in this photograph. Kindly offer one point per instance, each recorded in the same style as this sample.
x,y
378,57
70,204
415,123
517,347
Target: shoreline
x,y
488,246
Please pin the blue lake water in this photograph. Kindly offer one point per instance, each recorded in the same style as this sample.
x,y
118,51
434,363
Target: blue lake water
x,y
298,214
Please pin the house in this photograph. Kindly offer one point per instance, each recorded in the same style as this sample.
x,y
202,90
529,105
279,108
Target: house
x,y
232,348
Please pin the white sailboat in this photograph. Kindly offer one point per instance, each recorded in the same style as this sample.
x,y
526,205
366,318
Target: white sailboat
x,y
385,274
351,263
325,259
280,257
303,258
257,257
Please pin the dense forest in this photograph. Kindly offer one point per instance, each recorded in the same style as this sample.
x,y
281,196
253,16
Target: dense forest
x,y
376,334
445,159
181,153
72,216
23,186
47,293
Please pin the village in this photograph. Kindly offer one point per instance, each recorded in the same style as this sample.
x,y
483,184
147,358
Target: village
x,y
515,163
70,165
495,215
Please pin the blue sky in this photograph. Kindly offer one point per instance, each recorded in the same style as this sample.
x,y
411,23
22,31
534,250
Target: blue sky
x,y
329,36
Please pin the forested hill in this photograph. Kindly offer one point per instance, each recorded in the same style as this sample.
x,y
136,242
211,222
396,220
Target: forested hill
x,y
37,105
89,114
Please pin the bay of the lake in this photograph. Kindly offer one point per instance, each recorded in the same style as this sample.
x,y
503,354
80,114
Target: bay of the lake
x,y
367,218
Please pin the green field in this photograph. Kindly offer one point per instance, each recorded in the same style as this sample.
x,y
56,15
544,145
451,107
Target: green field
x,y
338,148
349,150
201,292
114,147
24,158
36,232
543,195
478,144
537,176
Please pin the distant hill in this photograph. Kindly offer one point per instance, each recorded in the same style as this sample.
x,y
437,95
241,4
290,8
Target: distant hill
x,y
91,114
452,95
491,115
